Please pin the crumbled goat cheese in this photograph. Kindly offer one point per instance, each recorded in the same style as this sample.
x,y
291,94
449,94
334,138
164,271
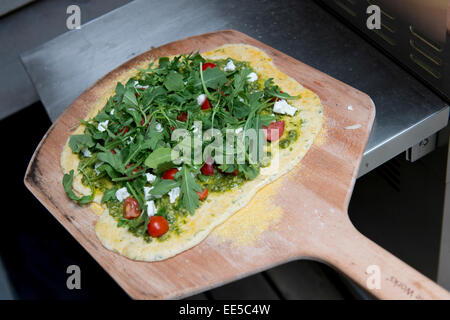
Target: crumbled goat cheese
x,y
130,140
137,85
158,127
252,77
195,129
86,152
122,194
102,125
201,98
148,195
151,208
111,112
98,164
283,107
174,194
230,66
150,177
350,108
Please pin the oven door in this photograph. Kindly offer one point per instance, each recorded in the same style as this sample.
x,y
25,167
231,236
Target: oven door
x,y
415,32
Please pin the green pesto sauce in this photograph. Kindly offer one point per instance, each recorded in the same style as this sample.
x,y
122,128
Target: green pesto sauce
x,y
221,182
136,226
99,181
292,136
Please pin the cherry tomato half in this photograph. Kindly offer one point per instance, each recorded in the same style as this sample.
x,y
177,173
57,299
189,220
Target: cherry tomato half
x,y
202,194
157,226
206,105
207,169
135,170
207,65
143,121
170,174
182,117
124,130
275,98
131,208
274,131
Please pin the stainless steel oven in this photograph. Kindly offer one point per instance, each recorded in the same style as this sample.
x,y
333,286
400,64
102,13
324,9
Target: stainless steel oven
x,y
415,32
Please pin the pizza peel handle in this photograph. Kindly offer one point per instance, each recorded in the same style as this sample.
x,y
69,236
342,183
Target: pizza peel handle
x,y
375,269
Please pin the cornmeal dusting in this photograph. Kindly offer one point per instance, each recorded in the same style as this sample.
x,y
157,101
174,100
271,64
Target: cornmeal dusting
x,y
246,226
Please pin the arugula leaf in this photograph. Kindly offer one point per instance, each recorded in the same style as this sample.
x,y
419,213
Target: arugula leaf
x,y
250,171
110,171
139,196
174,81
158,157
152,141
188,188
78,142
214,78
151,93
239,82
163,186
272,90
254,99
120,91
129,97
266,119
102,116
135,114
241,110
113,159
109,195
67,184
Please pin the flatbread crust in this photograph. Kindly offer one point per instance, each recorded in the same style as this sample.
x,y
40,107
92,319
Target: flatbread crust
x,y
219,206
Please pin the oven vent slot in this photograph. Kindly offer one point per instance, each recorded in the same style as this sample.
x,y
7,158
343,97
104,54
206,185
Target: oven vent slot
x,y
383,11
418,47
425,66
385,37
347,6
432,44
426,53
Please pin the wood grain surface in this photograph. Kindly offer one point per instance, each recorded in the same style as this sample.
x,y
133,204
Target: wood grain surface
x,y
314,198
